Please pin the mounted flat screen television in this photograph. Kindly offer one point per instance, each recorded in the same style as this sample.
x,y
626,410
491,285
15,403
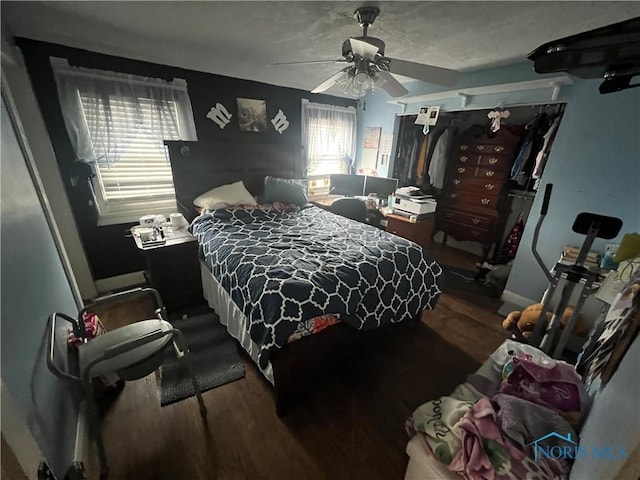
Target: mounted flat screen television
x,y
347,185
380,186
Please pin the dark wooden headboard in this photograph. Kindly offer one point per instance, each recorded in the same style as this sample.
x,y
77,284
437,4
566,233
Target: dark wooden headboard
x,y
200,166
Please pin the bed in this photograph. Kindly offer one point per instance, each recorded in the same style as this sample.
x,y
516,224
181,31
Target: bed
x,y
267,271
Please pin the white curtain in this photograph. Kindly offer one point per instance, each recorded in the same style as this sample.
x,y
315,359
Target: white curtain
x,y
118,123
328,137
105,112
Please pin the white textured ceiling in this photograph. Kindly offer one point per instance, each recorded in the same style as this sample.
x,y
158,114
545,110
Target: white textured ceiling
x,y
242,39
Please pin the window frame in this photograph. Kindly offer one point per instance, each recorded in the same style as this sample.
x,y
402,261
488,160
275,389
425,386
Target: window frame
x,y
181,125
337,159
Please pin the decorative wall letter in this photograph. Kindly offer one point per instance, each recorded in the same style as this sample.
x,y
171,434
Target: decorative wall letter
x,y
280,122
220,115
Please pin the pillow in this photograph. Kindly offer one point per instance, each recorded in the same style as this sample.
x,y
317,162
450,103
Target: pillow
x,y
225,196
285,190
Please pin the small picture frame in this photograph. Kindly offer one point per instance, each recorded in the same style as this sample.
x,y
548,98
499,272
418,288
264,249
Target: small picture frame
x,y
252,115
372,137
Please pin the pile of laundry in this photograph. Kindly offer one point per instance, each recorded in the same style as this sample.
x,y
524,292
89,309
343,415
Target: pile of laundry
x,y
497,424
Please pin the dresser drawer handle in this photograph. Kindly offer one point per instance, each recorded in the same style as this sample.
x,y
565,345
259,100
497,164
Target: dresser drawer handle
x,y
499,148
464,159
463,147
489,186
475,221
461,170
475,233
489,173
456,182
454,195
480,147
485,201
493,161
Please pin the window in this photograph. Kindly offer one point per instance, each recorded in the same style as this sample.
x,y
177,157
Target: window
x,y
328,137
118,123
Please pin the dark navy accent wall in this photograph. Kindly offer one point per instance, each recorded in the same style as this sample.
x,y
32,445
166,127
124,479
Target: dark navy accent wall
x,y
109,252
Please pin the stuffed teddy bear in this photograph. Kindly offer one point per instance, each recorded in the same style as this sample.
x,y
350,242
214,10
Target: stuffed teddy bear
x,y
526,320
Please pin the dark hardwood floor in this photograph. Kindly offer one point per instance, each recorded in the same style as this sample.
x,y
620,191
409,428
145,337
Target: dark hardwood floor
x,y
351,427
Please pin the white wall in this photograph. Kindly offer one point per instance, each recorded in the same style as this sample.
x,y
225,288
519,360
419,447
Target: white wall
x,y
614,420
594,166
594,163
36,281
16,81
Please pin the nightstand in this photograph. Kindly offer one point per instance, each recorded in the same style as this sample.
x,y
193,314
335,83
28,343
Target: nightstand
x,y
173,269
418,232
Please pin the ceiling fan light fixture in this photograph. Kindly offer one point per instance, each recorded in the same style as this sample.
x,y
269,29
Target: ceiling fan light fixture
x,y
357,82
371,70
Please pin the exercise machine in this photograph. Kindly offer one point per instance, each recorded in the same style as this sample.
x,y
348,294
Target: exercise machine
x,y
545,335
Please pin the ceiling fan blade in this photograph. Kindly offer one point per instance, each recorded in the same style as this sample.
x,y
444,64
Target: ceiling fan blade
x,y
340,60
426,73
364,49
328,83
392,86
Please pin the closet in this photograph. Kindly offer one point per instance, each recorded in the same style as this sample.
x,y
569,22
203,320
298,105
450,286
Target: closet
x,y
485,179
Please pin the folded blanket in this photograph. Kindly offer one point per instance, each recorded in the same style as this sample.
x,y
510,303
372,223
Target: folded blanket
x,y
524,422
550,383
486,455
439,420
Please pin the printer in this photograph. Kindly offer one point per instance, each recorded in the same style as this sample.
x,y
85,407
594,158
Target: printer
x,y
418,205
410,201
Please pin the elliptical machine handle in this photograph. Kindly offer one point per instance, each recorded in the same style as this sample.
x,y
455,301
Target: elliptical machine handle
x,y
547,198
536,233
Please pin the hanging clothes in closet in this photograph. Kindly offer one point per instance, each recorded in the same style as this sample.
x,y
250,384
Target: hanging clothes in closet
x,y
410,139
438,161
532,143
543,154
422,160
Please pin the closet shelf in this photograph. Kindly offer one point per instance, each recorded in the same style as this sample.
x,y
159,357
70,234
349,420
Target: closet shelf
x,y
554,83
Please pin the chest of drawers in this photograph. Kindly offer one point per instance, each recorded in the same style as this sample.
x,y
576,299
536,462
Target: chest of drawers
x,y
473,207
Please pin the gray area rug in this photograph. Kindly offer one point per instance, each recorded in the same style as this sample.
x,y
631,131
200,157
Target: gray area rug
x,y
214,358
461,279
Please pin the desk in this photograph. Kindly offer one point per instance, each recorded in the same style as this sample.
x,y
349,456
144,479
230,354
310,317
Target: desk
x,y
374,215
418,232
325,202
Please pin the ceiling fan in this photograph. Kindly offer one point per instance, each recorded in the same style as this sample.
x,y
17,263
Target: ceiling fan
x,y
371,70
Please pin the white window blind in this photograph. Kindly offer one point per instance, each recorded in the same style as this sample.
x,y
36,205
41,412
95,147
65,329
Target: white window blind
x,y
329,135
141,172
119,124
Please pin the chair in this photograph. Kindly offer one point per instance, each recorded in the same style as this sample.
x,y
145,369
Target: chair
x,y
352,208
132,352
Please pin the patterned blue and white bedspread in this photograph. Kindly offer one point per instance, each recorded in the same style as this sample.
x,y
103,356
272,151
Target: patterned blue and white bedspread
x,y
281,268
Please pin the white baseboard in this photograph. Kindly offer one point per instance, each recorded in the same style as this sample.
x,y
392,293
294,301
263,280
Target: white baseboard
x,y
517,299
105,285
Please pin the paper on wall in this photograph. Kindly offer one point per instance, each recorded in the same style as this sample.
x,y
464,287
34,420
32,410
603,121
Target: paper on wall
x,y
385,144
369,160
427,115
